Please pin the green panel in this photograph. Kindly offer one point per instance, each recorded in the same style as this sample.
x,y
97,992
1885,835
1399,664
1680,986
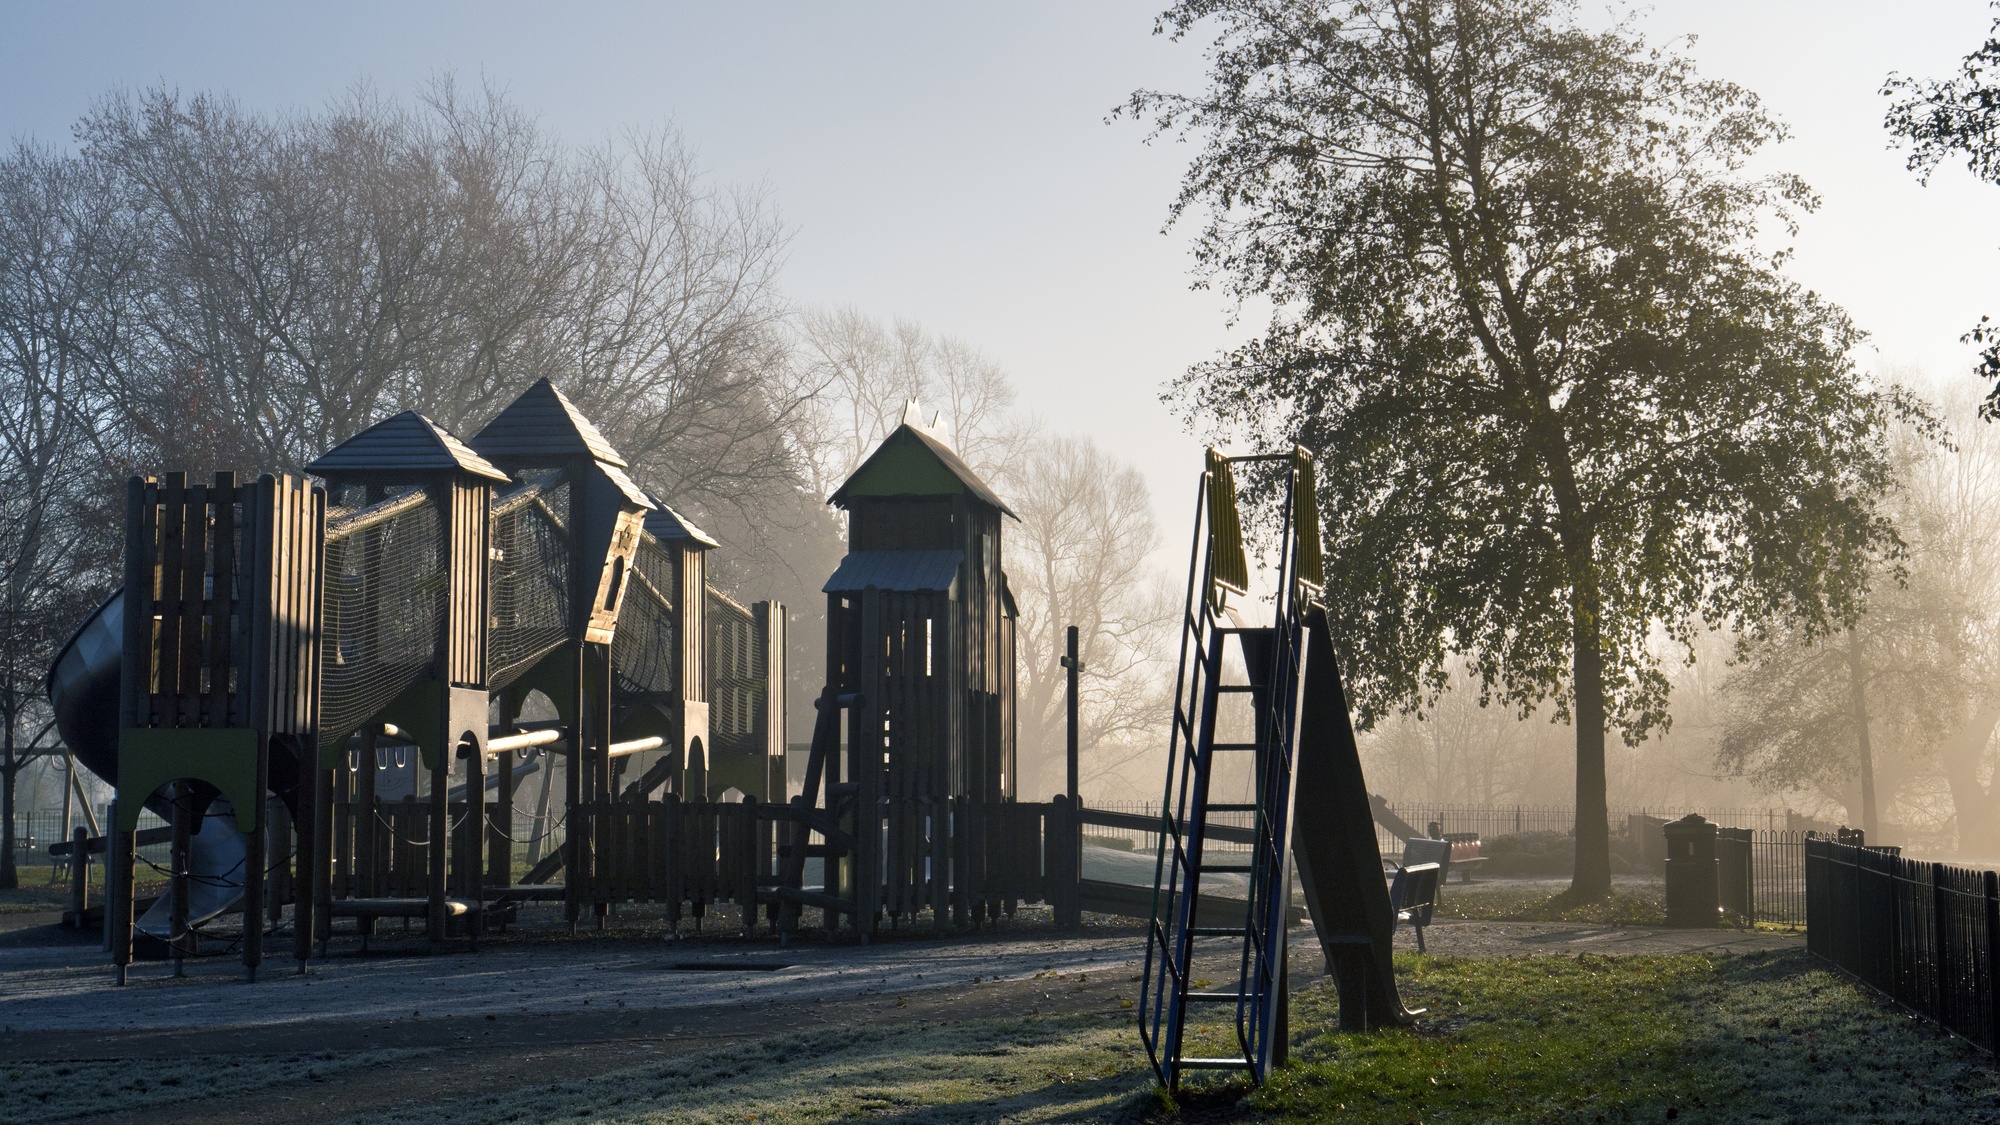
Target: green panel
x,y
903,467
419,713
1228,567
553,675
149,757
1305,520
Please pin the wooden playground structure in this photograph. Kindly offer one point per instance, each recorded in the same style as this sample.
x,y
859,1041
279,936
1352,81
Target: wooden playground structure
x,y
337,690
332,664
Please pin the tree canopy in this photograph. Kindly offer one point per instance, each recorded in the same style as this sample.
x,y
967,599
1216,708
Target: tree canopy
x,y
1959,116
1563,397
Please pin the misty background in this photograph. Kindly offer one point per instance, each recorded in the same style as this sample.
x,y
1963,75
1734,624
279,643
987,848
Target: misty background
x,y
742,238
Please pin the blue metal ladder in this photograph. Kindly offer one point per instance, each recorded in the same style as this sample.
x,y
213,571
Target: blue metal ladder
x,y
1183,924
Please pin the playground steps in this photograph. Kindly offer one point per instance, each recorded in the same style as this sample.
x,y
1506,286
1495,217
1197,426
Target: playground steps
x,y
1183,925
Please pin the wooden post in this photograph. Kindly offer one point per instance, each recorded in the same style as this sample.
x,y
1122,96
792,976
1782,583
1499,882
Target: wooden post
x,y
866,755
600,772
1072,666
472,869
440,846
500,824
367,829
79,875
576,824
118,859
177,876
254,864
312,909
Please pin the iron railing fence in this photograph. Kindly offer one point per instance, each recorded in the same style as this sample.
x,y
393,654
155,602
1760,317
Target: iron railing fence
x,y
1925,934
1491,821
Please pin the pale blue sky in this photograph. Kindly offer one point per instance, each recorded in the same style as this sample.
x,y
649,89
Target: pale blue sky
x,y
950,163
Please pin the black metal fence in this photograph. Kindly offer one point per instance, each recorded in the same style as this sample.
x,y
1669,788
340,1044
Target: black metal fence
x,y
1778,877
1926,934
1493,821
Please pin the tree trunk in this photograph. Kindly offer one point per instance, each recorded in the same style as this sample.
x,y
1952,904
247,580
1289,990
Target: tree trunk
x,y
1592,875
1858,684
1973,804
10,877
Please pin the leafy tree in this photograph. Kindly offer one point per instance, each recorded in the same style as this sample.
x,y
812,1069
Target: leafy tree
x,y
1910,691
1959,116
1559,396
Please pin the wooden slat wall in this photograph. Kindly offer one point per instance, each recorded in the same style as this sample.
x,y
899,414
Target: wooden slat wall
x,y
188,606
290,536
468,564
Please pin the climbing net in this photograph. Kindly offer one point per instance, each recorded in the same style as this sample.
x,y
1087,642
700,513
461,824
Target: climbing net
x,y
384,601
645,653
529,592
737,675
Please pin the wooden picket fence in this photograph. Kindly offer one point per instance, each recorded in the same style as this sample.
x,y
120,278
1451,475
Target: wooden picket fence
x,y
963,862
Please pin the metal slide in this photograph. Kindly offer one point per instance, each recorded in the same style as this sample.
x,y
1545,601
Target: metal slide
x,y
1274,660
83,688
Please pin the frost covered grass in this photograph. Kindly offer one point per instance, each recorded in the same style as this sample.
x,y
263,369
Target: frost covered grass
x,y
1689,1038
41,1092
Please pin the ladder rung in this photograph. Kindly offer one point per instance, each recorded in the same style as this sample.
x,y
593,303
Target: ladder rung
x,y
1233,746
1218,931
1232,808
1236,689
1214,1064
1227,869
1214,997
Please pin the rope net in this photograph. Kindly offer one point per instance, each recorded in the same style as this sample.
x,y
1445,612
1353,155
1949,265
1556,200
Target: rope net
x,y
645,650
529,594
737,675
384,588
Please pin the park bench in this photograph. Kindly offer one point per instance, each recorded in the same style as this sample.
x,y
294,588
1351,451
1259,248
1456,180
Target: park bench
x,y
1464,853
1413,890
1413,895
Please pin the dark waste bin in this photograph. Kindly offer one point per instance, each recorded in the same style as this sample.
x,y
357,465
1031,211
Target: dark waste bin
x,y
1733,873
1690,871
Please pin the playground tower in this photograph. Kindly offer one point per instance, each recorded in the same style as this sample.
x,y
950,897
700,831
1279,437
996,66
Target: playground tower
x,y
920,625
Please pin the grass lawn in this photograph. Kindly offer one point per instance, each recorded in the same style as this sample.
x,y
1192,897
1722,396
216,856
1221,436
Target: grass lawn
x,y
1765,1038
1502,901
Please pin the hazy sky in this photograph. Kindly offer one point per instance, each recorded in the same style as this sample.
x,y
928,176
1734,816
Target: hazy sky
x,y
951,164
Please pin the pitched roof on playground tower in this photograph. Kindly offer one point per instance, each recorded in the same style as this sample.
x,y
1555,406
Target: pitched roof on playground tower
x,y
915,460
406,442
543,422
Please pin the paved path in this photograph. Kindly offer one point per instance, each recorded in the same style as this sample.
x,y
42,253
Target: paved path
x,y
68,987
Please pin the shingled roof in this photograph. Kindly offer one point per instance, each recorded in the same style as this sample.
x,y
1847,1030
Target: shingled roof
x,y
913,462
407,442
543,422
669,526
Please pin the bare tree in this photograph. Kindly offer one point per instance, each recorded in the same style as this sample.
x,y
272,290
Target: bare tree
x,y
858,373
60,258
1081,556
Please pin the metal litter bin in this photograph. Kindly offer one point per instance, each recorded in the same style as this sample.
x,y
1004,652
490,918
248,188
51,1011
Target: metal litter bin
x,y
1733,873
1690,873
